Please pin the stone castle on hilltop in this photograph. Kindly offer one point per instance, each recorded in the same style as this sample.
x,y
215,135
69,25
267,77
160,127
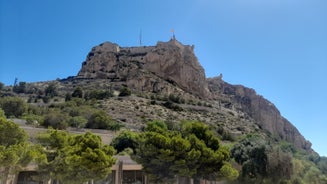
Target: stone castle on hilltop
x,y
171,61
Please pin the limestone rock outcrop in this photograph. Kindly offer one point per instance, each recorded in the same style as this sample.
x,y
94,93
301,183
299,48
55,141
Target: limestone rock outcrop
x,y
265,114
139,66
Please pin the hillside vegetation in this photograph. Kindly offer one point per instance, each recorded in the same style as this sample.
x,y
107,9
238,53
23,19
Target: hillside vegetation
x,y
256,155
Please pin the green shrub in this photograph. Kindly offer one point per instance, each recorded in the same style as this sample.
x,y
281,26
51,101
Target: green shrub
x,y
228,136
174,98
56,120
51,90
98,94
32,119
124,140
125,92
2,113
13,106
68,97
46,99
77,121
20,88
100,120
78,93
10,134
172,106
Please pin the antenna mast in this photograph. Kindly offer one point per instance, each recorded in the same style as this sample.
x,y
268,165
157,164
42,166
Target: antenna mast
x,y
173,31
140,37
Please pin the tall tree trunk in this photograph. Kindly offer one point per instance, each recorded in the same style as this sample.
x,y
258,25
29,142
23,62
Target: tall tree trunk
x,y
4,175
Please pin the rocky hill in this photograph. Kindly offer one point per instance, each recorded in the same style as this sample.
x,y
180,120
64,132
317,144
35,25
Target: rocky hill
x,y
172,68
143,68
263,112
119,88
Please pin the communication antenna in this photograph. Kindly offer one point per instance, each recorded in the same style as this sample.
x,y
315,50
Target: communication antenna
x,y
15,83
173,31
140,37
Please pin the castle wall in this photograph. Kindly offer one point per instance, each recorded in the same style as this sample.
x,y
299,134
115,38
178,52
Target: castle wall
x,y
137,50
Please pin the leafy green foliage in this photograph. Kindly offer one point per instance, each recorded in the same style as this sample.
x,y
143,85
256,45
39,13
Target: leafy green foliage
x,y
314,175
202,132
225,134
322,164
124,140
251,153
77,121
192,152
14,157
125,92
175,99
32,119
54,139
15,151
173,106
156,126
98,94
2,113
213,155
305,171
13,106
77,112
266,163
56,119
68,97
10,133
287,147
51,90
100,120
156,153
241,151
77,159
78,93
280,165
20,88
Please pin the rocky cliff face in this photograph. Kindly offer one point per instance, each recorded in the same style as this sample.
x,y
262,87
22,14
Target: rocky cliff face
x,y
159,68
265,114
140,67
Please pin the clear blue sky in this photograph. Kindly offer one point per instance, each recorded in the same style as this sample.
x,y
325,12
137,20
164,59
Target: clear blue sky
x,y
277,47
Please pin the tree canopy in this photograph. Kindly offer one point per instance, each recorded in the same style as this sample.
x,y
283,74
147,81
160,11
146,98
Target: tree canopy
x,y
192,151
15,151
10,133
124,140
77,158
261,161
